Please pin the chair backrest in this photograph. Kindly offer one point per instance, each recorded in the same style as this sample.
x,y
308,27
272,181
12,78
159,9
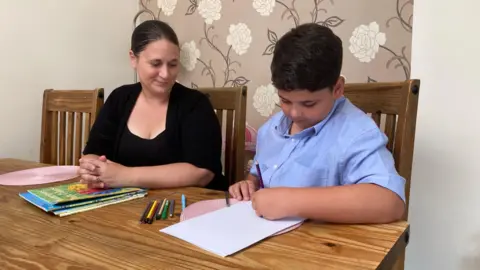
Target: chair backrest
x,y
231,102
393,106
67,117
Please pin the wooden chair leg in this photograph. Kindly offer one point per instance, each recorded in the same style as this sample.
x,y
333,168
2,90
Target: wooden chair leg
x,y
400,263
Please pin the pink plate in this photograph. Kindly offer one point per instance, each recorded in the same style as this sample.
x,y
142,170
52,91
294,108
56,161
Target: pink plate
x,y
37,176
203,207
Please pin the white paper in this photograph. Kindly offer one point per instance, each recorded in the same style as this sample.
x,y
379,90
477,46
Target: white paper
x,y
228,230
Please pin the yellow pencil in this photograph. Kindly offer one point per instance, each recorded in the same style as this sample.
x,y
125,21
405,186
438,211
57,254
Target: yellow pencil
x,y
149,216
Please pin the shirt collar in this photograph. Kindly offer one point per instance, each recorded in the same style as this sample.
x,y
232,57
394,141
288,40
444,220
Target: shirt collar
x,y
284,123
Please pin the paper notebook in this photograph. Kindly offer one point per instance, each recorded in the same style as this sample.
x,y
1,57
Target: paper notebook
x,y
228,230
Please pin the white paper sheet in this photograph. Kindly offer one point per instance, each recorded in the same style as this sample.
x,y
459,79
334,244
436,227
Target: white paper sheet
x,y
229,229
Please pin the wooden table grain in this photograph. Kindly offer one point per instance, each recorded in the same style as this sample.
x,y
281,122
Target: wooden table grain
x,y
112,238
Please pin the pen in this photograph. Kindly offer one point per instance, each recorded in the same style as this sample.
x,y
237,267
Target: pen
x,y
172,207
184,203
227,201
260,179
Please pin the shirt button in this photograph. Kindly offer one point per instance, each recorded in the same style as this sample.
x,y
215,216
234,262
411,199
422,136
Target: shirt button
x,y
293,140
275,166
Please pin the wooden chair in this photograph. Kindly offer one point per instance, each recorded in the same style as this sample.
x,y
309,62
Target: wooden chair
x,y
393,106
67,117
231,101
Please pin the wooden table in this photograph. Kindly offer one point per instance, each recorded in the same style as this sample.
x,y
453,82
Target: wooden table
x,y
112,238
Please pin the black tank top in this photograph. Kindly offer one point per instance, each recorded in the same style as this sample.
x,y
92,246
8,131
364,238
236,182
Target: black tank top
x,y
134,151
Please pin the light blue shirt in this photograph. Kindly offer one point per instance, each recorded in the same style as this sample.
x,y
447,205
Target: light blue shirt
x,y
345,148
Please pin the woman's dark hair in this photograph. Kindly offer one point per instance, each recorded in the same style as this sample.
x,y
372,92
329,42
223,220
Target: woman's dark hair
x,y
309,57
149,31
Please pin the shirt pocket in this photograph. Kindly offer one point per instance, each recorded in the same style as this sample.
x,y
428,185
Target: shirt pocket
x,y
301,175
267,166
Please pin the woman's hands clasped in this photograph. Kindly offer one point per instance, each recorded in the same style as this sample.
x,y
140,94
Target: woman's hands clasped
x,y
99,172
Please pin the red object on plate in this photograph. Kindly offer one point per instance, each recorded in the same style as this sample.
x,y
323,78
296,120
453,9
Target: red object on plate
x,y
37,176
204,207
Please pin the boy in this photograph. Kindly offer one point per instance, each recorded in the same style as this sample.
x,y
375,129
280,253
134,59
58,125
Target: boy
x,y
320,157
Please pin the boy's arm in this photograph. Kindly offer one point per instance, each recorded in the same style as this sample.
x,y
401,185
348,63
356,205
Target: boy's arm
x,y
361,203
371,190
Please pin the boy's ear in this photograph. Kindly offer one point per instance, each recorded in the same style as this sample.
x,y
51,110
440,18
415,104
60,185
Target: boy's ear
x,y
339,87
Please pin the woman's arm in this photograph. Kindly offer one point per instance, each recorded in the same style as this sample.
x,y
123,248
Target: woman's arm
x,y
167,176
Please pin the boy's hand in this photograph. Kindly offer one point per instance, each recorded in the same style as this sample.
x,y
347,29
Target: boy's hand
x,y
243,190
273,203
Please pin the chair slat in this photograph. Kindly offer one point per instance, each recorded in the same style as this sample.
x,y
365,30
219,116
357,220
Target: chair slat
x,y
86,128
54,137
220,116
390,124
229,147
70,135
377,116
62,140
78,136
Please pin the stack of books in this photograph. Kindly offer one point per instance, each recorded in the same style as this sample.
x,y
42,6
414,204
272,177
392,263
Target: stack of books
x,y
66,199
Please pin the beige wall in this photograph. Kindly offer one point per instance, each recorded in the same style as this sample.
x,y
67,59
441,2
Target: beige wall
x,y
445,195
61,44
230,42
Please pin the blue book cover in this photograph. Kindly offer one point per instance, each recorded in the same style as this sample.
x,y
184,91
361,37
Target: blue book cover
x,y
50,207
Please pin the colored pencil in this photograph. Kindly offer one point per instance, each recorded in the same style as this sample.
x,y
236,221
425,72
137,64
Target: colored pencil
x,y
155,209
144,215
165,210
160,210
172,207
184,202
150,212
259,172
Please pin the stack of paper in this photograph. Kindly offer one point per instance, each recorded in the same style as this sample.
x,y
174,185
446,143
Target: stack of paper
x,y
229,229
66,199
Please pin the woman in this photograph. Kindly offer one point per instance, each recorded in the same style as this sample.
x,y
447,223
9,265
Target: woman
x,y
156,133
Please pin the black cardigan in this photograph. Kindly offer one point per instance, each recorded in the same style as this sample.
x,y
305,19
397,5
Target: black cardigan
x,y
192,129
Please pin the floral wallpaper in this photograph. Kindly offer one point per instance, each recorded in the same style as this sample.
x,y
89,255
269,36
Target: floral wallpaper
x,y
230,42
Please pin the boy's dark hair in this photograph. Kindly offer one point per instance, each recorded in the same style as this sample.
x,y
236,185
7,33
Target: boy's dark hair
x,y
308,57
149,31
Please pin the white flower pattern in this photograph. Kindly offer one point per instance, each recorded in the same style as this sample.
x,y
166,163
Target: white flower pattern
x,y
167,6
240,38
264,99
210,10
365,41
217,53
189,55
264,7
